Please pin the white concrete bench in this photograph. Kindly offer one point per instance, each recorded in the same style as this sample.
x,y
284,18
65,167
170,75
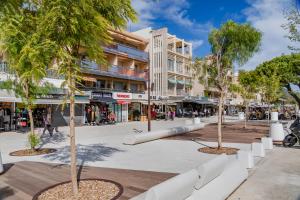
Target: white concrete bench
x,y
246,158
211,169
222,186
177,188
1,164
258,149
154,135
267,143
214,180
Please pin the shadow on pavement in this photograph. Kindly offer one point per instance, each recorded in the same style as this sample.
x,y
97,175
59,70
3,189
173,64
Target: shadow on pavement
x,y
6,192
6,167
55,139
85,153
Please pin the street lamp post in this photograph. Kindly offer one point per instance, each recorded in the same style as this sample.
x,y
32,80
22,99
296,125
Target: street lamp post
x,y
149,88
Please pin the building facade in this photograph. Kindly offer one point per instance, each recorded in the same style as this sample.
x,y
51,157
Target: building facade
x,y
170,64
119,85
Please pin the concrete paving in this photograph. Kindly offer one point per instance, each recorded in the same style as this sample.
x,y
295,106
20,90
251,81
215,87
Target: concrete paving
x,y
102,146
276,177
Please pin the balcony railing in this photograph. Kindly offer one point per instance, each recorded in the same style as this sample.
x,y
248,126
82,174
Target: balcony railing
x,y
130,51
86,88
113,71
4,67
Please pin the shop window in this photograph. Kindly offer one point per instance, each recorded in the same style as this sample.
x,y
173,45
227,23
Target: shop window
x,y
133,87
100,84
119,86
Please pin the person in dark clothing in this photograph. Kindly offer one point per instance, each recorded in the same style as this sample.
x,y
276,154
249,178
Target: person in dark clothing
x,y
47,123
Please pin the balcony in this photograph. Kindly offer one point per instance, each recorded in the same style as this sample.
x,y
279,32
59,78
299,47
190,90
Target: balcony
x,y
113,71
99,89
4,67
130,51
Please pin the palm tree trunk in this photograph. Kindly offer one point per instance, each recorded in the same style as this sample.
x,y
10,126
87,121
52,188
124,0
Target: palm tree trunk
x,y
220,121
72,135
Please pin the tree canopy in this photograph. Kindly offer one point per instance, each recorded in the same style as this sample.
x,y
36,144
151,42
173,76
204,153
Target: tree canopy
x,y
286,68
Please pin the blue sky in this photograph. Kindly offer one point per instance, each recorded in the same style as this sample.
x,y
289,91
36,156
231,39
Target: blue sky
x,y
192,20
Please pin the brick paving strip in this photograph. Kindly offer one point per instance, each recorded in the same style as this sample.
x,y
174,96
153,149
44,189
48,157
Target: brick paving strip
x,y
233,132
24,179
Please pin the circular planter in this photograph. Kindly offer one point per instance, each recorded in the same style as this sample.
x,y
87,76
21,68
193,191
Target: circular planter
x,y
241,115
217,151
274,116
118,185
276,132
30,152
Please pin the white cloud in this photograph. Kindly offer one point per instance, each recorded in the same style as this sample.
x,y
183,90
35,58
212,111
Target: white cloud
x,y
173,10
196,43
268,17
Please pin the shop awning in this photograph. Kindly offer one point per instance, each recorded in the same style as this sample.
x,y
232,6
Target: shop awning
x,y
104,100
122,102
181,82
201,101
90,79
173,81
6,96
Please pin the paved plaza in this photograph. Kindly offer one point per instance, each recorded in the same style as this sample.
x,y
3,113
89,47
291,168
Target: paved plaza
x,y
101,151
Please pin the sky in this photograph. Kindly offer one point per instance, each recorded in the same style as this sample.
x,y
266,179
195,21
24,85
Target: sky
x,y
192,20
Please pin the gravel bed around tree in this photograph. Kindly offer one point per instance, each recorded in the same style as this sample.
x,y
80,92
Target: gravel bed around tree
x,y
216,150
90,189
32,152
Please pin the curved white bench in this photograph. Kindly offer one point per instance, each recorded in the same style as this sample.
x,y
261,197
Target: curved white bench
x,y
258,149
211,169
177,188
222,186
1,164
154,135
246,158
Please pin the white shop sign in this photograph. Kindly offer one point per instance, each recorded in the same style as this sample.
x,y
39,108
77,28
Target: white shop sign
x,y
122,95
139,96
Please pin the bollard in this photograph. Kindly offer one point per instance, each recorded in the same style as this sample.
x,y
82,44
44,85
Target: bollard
x,y
1,165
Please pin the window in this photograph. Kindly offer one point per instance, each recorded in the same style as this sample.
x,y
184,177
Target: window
x,y
100,84
119,86
134,87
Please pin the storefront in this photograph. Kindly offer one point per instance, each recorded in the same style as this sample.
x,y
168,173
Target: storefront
x,y
100,106
121,107
137,109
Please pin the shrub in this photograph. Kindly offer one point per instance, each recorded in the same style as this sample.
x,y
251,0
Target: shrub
x,y
34,140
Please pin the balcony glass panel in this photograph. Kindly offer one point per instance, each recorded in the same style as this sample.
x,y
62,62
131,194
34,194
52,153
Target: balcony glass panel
x,y
171,66
115,71
133,52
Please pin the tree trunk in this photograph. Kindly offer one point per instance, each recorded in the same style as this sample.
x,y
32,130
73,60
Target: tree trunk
x,y
220,121
30,119
269,113
72,136
246,115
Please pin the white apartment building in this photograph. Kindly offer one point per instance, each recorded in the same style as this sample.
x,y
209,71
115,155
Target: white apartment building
x,y
170,64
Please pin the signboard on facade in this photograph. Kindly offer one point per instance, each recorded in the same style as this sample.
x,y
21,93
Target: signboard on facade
x,y
100,95
139,96
122,95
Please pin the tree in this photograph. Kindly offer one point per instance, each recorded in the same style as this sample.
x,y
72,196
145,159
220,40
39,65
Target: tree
x,y
247,87
287,70
293,17
26,52
80,28
231,43
270,88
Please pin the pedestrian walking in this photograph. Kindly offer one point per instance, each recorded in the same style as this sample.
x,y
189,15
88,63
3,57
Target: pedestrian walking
x,y
47,123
